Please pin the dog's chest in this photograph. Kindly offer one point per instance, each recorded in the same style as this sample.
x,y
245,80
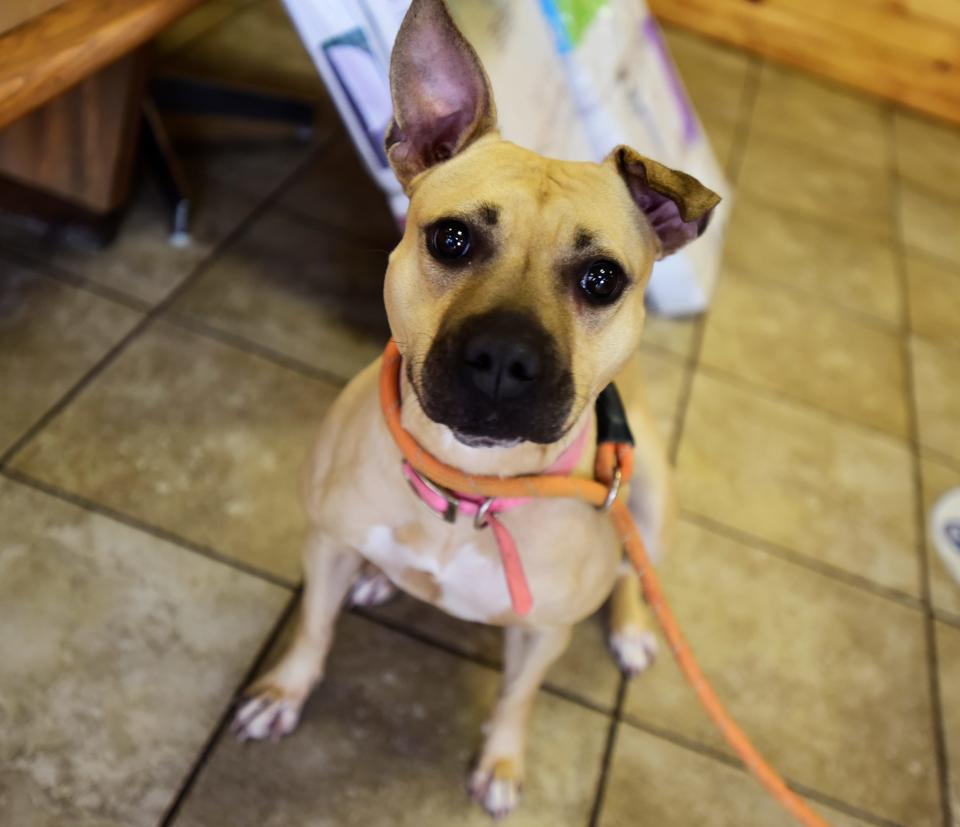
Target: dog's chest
x,y
570,569
459,572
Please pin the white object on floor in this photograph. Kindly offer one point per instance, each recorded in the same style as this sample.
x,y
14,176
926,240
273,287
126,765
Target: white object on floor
x,y
945,531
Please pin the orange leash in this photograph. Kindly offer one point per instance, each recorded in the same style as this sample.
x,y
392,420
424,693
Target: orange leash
x,y
610,457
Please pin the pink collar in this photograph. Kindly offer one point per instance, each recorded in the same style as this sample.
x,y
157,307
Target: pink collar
x,y
448,504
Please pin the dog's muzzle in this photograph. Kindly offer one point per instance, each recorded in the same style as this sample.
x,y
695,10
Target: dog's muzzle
x,y
498,377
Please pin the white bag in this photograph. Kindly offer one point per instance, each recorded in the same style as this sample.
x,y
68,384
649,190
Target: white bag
x,y
572,79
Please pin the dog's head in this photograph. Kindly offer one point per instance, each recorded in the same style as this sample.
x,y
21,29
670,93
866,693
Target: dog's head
x,y
516,293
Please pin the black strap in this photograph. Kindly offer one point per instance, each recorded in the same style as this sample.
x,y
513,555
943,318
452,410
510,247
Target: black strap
x,y
612,425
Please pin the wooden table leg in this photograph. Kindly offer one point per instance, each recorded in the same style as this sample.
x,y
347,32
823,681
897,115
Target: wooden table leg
x,y
77,150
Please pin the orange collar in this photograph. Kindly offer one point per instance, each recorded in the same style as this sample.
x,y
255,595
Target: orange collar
x,y
610,457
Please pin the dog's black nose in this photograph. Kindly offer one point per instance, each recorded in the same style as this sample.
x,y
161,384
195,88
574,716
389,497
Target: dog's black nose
x,y
502,365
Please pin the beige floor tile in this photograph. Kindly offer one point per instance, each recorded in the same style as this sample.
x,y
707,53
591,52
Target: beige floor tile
x,y
723,136
934,300
675,335
851,269
828,680
653,782
257,46
387,740
663,376
793,476
713,74
937,480
586,669
336,189
928,152
50,336
141,262
936,378
299,290
929,223
793,175
948,652
197,438
120,653
795,106
797,345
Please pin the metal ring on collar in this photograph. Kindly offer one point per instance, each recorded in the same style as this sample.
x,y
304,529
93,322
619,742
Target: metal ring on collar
x,y
480,520
612,493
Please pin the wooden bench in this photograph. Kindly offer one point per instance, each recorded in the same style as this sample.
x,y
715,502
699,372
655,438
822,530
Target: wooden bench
x,y
71,89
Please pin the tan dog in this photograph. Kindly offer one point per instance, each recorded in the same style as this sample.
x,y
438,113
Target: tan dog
x,y
515,297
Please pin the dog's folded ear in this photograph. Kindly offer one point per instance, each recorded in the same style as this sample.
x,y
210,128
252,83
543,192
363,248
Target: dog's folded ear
x,y
441,96
677,205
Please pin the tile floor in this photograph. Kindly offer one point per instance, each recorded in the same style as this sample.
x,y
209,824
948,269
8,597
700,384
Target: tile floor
x,y
157,405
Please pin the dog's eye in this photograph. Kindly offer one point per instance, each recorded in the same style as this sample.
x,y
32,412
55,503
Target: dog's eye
x,y
603,281
449,239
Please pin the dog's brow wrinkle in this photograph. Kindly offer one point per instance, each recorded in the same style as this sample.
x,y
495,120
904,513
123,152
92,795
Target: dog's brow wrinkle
x,y
490,213
583,239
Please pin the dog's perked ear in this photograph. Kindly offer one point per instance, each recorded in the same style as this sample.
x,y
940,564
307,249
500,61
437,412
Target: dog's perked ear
x,y
441,96
677,205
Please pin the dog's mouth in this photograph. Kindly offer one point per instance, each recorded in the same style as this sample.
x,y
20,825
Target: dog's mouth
x,y
473,441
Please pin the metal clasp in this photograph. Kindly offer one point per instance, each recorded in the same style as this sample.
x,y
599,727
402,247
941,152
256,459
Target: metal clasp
x,y
449,514
612,493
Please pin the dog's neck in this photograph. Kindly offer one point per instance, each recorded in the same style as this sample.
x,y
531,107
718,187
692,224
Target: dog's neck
x,y
504,461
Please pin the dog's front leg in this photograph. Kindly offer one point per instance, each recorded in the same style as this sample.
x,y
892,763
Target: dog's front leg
x,y
528,654
273,702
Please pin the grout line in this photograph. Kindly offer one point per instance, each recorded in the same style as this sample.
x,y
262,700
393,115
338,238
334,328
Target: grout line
x,y
54,272
946,617
686,392
603,781
475,658
145,527
664,352
938,457
774,395
425,638
850,312
748,99
802,560
155,312
367,243
909,389
949,265
254,348
223,723
716,754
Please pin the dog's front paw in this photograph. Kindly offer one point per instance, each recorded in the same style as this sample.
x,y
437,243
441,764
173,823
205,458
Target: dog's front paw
x,y
267,711
496,789
634,649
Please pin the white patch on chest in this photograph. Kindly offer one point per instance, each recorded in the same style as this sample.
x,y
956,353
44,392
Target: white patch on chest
x,y
474,585
472,581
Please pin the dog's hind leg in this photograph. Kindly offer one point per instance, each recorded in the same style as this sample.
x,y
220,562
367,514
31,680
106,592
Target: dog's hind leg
x,y
272,704
633,645
528,654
